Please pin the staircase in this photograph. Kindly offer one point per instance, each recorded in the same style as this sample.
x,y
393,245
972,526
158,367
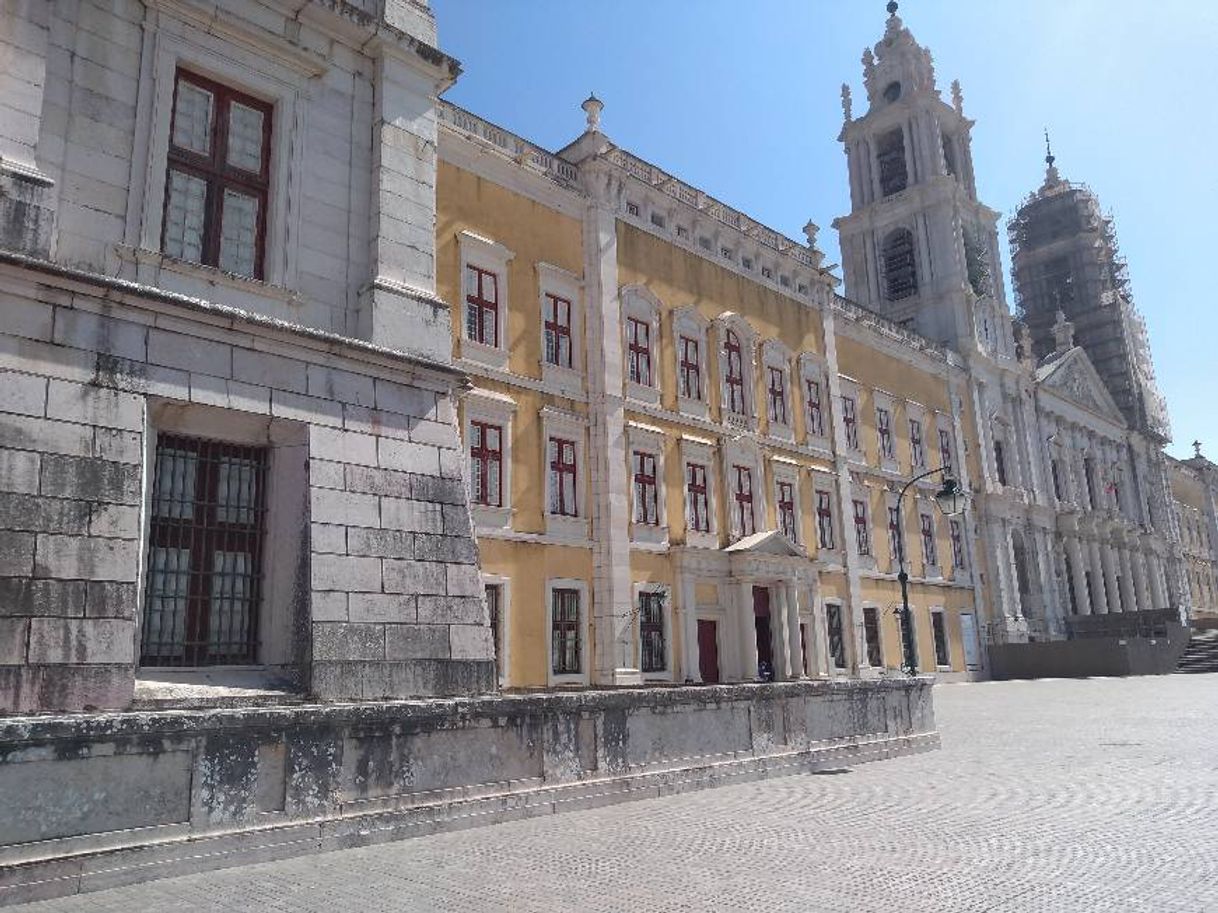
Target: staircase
x,y
1201,654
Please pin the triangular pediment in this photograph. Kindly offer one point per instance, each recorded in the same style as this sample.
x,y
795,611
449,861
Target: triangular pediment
x,y
1071,376
766,542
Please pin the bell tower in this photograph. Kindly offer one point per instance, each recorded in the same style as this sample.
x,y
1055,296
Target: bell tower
x,y
918,247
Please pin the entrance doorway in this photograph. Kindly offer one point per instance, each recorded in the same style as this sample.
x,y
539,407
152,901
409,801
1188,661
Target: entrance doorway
x,y
765,641
708,650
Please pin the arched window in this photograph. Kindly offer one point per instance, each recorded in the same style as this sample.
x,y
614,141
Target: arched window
x,y
900,268
734,377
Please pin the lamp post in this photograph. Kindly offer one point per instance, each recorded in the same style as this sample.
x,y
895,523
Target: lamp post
x,y
951,500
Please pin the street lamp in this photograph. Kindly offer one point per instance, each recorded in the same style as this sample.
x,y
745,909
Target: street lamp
x,y
951,499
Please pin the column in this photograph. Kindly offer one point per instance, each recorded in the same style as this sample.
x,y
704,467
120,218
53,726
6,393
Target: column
x,y
1139,579
1154,566
1082,598
780,632
687,586
1129,601
1111,585
818,648
1099,592
794,637
747,654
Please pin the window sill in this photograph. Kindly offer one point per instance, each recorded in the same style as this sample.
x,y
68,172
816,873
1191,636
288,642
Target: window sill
x,y
565,380
153,267
782,432
492,517
198,688
642,394
559,681
492,356
568,529
646,534
701,540
695,408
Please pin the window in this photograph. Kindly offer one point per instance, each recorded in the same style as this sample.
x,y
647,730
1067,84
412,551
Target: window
x,y
1000,463
890,151
204,553
651,633
883,422
646,501
900,265
657,220
957,532
917,454
871,631
218,176
704,242
786,510
481,306
697,498
824,520
566,657
939,626
945,450
562,478
778,396
850,420
816,415
485,463
558,331
784,280
639,350
632,209
746,262
837,638
744,500
735,373
930,553
494,606
726,253
682,231
767,272
896,541
691,368
862,535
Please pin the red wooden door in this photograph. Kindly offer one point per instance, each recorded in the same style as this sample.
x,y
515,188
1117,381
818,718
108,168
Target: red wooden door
x,y
708,650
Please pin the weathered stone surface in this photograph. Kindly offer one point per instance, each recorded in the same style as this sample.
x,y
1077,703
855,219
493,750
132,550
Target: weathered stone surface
x,y
81,641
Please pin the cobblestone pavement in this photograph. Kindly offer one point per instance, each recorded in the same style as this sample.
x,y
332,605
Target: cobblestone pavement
x,y
1056,796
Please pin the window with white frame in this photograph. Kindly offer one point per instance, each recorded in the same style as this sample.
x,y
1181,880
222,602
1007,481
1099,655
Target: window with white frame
x,y
563,442
488,418
641,344
814,398
733,379
649,522
917,447
744,519
736,369
957,532
862,529
638,351
646,489
697,457
786,501
938,624
946,460
564,478
485,463
689,331
850,420
697,497
777,395
884,434
776,361
896,536
825,530
566,608
930,550
484,298
690,355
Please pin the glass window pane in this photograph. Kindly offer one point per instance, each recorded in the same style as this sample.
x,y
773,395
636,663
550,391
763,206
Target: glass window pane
x,y
184,216
192,118
236,489
164,631
229,615
173,488
238,233
245,138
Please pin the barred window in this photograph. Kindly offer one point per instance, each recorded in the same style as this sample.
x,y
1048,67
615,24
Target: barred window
x,y
204,553
651,632
900,265
481,306
494,606
566,657
890,151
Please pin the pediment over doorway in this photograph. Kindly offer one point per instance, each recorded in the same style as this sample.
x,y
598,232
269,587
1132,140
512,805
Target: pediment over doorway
x,y
766,542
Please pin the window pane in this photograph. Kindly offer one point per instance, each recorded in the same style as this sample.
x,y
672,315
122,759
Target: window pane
x,y
173,492
192,118
164,631
238,233
184,216
236,491
245,138
229,617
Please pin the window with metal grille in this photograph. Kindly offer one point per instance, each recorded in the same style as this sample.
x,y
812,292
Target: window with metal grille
x,y
786,511
930,551
638,333
566,658
945,450
816,415
691,368
837,639
697,498
850,420
734,375
494,606
651,632
883,423
824,520
939,626
485,463
900,265
646,497
917,454
778,396
862,535
481,306
203,583
744,500
562,478
896,541
958,562
890,151
871,632
558,331
218,176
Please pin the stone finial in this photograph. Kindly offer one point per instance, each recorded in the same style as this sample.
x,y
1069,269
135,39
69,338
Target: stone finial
x,y
847,103
957,97
1023,336
868,63
593,107
1197,449
1063,334
811,230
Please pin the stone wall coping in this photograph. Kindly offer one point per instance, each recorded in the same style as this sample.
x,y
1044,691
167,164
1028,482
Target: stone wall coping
x,y
95,726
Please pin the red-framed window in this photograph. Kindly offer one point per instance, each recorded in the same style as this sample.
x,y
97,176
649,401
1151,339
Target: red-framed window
x,y
824,520
816,413
883,424
734,376
691,368
777,389
786,510
697,498
917,454
945,450
930,551
565,653
850,420
654,650
638,339
481,305
896,541
205,549
862,535
218,176
744,500
485,463
558,331
957,544
646,496
563,477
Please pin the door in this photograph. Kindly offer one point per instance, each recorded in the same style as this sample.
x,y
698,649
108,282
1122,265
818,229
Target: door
x,y
708,650
765,637
968,634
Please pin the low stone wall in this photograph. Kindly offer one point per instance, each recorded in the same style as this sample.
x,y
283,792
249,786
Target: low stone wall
x,y
1090,656
93,801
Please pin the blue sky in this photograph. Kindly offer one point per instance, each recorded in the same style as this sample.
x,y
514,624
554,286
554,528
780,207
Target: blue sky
x,y
742,99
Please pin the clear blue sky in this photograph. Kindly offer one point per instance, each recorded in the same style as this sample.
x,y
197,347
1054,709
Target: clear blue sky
x,y
742,99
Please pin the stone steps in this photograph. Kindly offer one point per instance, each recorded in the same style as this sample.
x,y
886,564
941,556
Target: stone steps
x,y
1201,655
